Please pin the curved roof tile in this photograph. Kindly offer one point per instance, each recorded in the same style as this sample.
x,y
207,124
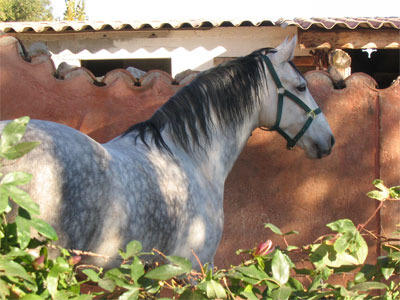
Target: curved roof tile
x,y
349,23
302,23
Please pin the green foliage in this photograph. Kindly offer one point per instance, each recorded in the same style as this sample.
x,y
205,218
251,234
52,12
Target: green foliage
x,y
25,10
266,273
384,193
75,10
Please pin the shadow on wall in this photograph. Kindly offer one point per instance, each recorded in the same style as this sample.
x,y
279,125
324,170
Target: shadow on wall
x,y
267,183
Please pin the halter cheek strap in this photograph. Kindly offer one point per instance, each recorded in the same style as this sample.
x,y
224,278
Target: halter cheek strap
x,y
282,92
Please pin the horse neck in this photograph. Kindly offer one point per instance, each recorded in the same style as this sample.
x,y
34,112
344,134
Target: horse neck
x,y
215,156
208,122
225,146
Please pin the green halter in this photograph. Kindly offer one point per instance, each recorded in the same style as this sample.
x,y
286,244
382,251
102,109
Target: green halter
x,y
291,142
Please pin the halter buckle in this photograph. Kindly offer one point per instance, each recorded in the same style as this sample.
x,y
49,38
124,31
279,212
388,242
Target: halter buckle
x,y
312,114
280,90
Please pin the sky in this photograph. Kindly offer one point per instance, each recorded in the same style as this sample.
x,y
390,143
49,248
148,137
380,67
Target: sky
x,y
156,10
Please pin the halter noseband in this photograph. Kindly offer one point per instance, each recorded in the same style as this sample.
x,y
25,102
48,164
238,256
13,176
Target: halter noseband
x,y
291,142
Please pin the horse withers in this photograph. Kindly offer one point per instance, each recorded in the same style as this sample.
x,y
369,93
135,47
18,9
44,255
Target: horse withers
x,y
162,181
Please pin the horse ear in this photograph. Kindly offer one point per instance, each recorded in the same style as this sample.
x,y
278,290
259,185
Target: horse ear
x,y
286,50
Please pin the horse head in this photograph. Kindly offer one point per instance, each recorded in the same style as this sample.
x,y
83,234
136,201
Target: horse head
x,y
289,107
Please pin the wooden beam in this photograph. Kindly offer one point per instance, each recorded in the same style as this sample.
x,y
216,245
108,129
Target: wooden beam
x,y
350,39
304,61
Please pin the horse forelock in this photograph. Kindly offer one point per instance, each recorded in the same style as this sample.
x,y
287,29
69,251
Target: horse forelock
x,y
230,90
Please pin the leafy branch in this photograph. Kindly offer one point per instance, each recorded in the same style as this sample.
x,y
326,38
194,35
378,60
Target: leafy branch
x,y
267,271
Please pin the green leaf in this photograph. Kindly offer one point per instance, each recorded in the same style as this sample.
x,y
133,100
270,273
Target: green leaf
x,y
242,277
12,268
92,275
395,256
360,251
132,248
16,178
378,195
16,252
60,266
107,284
83,297
61,295
23,231
21,198
342,226
164,272
3,200
342,243
281,293
31,297
325,255
303,271
18,150
295,284
248,293
316,283
181,262
274,228
178,266
291,248
215,290
395,192
387,272
366,273
291,232
346,293
131,294
253,272
383,192
44,229
118,277
137,269
13,133
4,290
368,285
280,267
378,183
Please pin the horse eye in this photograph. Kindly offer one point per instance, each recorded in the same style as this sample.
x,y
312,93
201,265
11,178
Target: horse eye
x,y
301,87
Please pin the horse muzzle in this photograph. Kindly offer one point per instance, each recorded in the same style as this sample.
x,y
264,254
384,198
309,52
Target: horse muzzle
x,y
323,150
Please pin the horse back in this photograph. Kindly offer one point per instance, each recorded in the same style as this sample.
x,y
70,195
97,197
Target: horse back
x,y
66,167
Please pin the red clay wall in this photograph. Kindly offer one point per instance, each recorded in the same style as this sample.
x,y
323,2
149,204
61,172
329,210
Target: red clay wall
x,y
103,112
268,183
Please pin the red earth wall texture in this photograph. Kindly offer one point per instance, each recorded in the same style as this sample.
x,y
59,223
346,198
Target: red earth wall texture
x,y
267,183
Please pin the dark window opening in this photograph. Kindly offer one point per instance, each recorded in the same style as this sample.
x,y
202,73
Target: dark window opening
x,y
381,64
101,67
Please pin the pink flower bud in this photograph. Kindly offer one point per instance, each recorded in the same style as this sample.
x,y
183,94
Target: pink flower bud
x,y
73,260
264,248
38,263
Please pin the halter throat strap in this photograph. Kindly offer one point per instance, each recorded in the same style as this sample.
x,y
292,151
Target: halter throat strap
x,y
282,92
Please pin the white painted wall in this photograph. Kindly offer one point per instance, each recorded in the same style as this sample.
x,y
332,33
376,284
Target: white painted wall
x,y
187,48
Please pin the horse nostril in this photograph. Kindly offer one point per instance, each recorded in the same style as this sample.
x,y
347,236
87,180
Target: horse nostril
x,y
322,152
332,141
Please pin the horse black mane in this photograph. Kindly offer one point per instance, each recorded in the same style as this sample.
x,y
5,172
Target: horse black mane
x,y
229,89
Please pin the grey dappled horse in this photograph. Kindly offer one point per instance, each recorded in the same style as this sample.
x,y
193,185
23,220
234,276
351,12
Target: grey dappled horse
x,y
162,181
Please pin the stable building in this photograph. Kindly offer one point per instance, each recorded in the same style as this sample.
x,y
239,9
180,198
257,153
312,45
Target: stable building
x,y
173,46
